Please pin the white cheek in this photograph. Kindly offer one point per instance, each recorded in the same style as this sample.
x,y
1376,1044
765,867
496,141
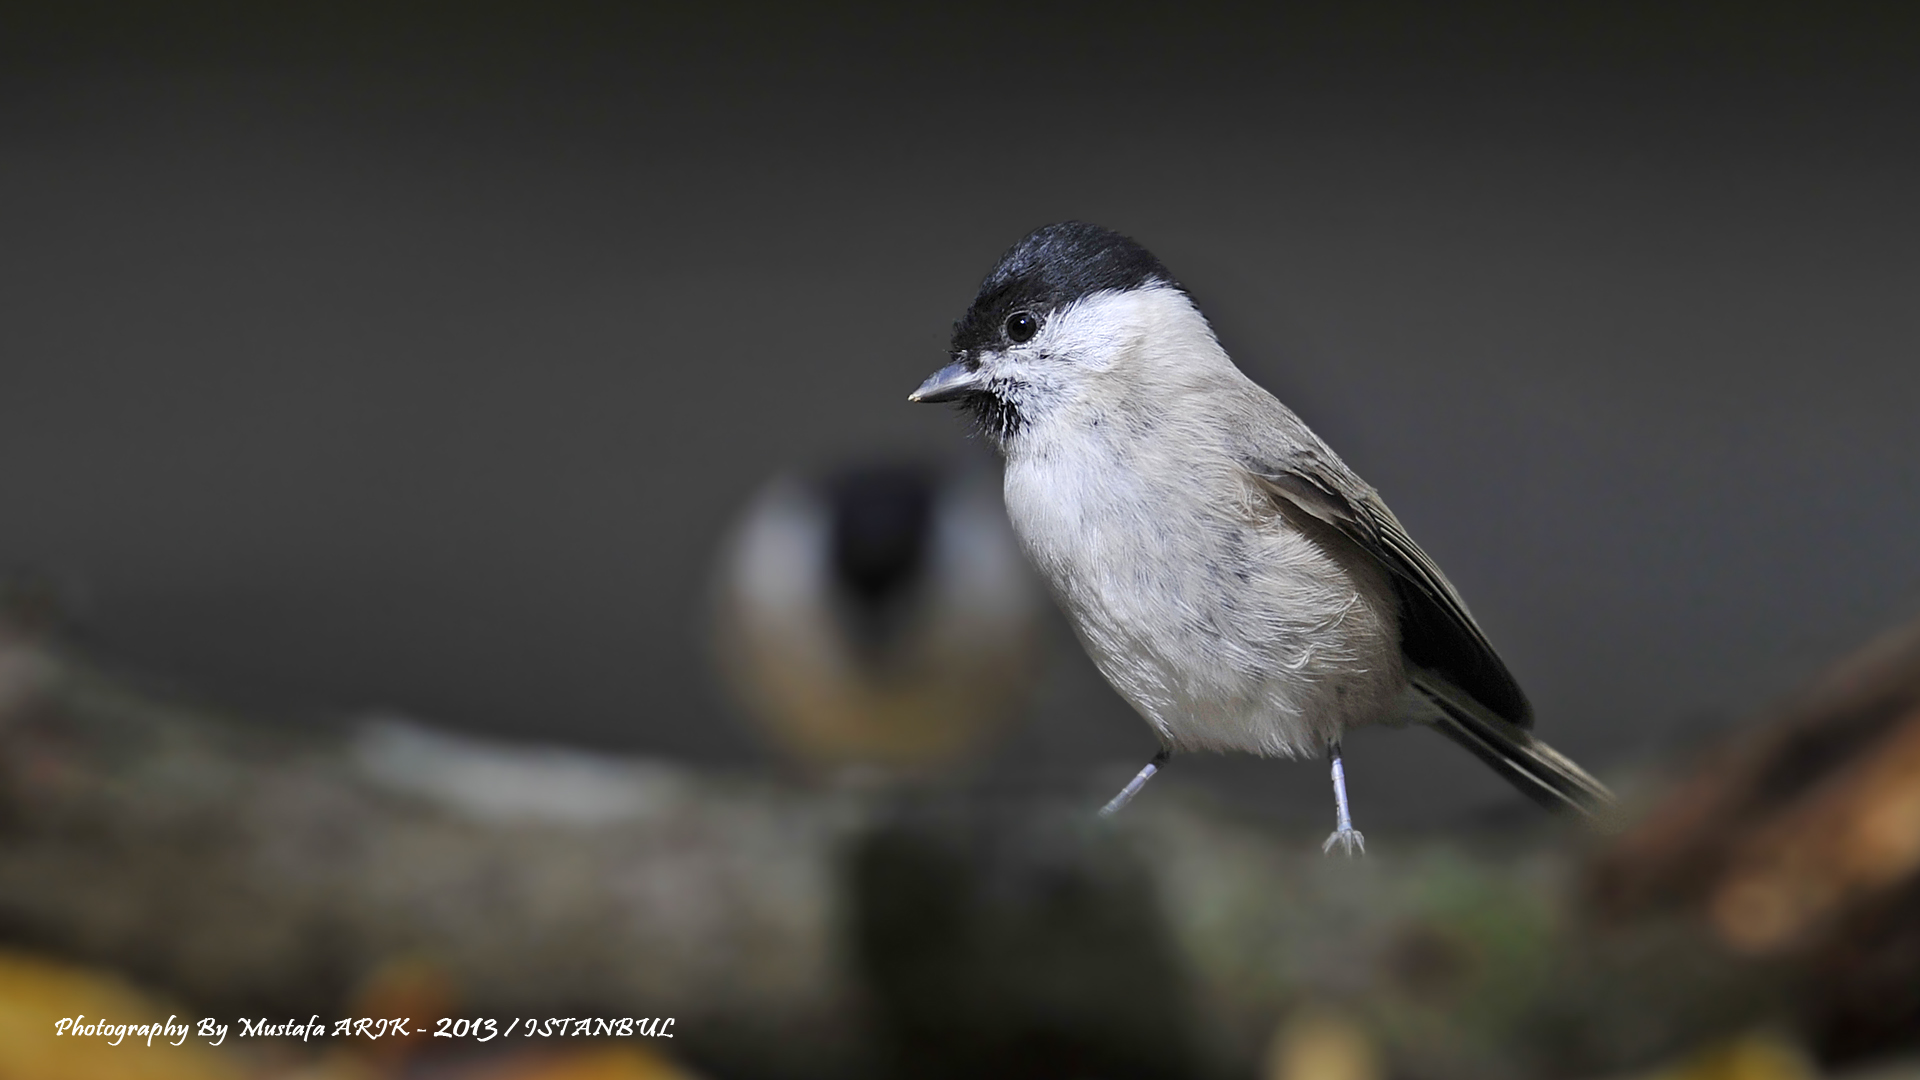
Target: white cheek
x,y
1099,332
1090,335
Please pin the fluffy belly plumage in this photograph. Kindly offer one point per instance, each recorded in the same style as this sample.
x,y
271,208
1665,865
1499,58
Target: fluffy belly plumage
x,y
1227,628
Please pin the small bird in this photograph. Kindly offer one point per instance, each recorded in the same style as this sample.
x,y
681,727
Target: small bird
x,y
1231,577
878,615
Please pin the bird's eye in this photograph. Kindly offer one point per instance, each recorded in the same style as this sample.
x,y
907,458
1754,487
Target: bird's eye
x,y
1021,326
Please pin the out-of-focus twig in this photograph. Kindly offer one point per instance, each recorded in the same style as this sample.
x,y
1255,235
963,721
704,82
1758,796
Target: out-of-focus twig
x,y
809,933
1798,846
255,871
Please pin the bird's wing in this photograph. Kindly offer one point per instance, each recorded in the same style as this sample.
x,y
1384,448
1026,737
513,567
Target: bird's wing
x,y
1436,631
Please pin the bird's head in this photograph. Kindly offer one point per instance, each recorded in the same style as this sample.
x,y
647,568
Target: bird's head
x,y
1074,316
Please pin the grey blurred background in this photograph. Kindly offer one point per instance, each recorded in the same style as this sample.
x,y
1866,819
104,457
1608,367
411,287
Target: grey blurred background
x,y
416,356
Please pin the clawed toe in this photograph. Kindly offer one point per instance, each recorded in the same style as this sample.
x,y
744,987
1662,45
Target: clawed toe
x,y
1348,839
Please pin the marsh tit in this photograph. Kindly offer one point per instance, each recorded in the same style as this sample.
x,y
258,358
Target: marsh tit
x,y
878,615
1231,577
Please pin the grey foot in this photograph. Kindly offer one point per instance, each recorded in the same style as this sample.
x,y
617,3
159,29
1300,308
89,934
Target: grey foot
x,y
1348,839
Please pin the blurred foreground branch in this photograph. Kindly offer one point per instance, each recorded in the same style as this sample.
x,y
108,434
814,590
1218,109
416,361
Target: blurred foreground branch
x,y
258,871
802,933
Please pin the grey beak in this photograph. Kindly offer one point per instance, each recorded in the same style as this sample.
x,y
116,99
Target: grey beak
x,y
953,381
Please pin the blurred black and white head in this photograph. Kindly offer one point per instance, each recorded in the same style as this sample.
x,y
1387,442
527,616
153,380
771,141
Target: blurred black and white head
x,y
1056,331
878,614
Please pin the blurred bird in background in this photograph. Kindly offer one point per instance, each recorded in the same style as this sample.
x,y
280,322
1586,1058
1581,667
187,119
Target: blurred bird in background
x,y
879,614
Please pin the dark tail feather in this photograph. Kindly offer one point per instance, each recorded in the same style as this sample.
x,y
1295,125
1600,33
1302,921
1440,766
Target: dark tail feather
x,y
1542,773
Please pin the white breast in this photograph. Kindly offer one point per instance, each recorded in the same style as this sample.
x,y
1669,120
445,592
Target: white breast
x,y
1227,625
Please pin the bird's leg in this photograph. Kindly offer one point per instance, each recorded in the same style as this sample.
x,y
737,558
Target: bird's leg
x,y
1344,833
1134,785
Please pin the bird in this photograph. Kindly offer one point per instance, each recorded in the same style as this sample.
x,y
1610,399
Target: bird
x,y
877,615
1232,578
